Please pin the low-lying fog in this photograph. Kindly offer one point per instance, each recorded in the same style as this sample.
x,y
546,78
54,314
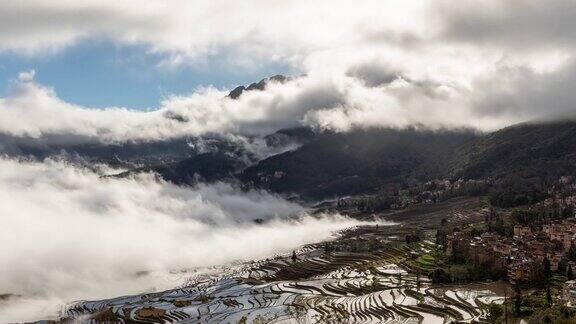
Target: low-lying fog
x,y
67,233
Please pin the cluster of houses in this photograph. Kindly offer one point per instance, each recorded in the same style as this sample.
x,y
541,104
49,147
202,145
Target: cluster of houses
x,y
520,258
430,192
439,190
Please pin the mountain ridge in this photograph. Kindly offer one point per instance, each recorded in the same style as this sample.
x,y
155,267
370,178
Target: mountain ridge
x,y
527,150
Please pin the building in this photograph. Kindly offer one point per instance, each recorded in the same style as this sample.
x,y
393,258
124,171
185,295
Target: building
x,y
457,246
520,231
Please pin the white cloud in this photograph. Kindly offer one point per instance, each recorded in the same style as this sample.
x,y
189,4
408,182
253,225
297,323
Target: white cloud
x,y
196,29
451,59
254,30
27,76
34,110
67,233
524,25
364,92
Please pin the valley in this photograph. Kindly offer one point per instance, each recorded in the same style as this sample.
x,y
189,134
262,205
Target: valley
x,y
366,274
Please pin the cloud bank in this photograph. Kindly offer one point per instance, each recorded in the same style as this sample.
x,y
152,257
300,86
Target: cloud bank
x,y
382,64
69,234
367,94
194,30
191,31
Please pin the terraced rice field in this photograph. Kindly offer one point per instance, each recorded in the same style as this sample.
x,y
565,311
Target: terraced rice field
x,y
318,287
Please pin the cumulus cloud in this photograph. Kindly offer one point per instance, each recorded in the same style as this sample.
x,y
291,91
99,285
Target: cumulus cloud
x,y
67,233
34,110
382,64
200,28
525,25
364,93
290,31
526,94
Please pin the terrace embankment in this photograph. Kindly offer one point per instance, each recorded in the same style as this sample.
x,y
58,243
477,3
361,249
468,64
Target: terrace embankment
x,y
462,209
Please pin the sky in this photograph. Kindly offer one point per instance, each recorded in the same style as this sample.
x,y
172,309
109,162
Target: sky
x,y
116,71
102,74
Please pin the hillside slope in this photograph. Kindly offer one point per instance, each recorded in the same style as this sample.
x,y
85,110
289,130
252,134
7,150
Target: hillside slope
x,y
365,161
524,150
357,162
331,164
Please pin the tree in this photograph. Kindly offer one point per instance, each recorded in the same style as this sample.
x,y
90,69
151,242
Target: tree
x,y
444,222
547,269
572,252
328,247
547,275
374,244
517,300
440,276
569,273
495,311
294,257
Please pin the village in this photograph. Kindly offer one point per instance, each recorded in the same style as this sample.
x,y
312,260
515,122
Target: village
x,y
525,245
525,235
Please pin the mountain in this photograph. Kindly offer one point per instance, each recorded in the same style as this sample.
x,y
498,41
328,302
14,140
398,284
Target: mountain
x,y
365,161
315,164
256,86
360,161
207,167
127,154
524,150
330,164
218,158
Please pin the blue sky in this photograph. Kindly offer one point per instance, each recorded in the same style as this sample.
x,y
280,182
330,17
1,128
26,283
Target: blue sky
x,y
101,74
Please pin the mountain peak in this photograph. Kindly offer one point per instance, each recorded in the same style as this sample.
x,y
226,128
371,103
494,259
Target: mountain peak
x,y
260,85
